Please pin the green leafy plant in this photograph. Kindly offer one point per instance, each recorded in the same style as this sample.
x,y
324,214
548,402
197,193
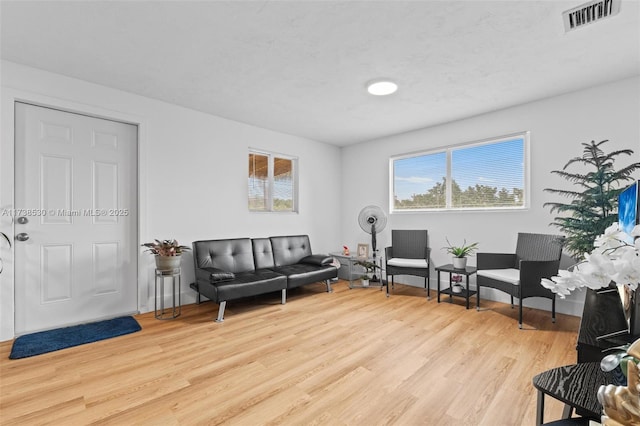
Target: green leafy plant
x,y
369,268
461,251
593,208
165,247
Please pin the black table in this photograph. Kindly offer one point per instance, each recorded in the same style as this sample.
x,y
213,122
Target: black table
x,y
603,325
576,385
466,293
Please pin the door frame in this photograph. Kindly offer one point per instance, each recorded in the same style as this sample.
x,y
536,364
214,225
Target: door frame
x,y
8,99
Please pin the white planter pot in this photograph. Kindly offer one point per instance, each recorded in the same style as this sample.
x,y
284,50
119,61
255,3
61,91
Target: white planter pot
x,y
168,263
365,283
459,262
456,288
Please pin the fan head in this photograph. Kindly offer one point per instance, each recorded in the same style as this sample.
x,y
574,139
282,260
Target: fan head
x,y
372,215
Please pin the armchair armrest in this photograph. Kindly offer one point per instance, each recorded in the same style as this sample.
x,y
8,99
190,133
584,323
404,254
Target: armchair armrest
x,y
214,275
532,271
496,260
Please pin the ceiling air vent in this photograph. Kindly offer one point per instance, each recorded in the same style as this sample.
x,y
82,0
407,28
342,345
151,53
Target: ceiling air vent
x,y
589,13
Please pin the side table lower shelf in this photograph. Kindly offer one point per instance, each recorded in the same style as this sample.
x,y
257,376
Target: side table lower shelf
x,y
464,294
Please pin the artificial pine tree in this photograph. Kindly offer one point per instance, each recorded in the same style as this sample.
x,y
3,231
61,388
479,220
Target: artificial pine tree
x,y
595,208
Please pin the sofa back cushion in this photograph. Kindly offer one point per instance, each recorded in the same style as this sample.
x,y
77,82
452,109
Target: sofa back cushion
x,y
262,253
233,255
288,250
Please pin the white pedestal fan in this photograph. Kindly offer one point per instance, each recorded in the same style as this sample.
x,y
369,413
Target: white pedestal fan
x,y
372,220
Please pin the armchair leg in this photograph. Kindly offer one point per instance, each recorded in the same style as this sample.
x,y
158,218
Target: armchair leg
x,y
520,315
553,309
512,302
221,311
284,296
427,286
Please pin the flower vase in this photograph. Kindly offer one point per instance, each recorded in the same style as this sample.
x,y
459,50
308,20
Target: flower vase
x,y
168,263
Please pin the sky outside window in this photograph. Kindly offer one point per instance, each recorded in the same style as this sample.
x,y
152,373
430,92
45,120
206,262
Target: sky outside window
x,y
416,175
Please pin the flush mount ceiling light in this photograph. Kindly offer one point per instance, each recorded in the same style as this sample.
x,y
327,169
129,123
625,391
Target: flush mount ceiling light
x,y
381,87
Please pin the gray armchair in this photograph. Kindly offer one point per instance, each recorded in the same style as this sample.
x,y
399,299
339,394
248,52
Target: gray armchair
x,y
537,256
408,255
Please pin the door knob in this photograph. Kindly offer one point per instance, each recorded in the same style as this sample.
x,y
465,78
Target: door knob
x,y
23,236
23,220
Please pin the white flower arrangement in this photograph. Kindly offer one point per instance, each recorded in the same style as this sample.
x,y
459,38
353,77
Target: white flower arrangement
x,y
613,259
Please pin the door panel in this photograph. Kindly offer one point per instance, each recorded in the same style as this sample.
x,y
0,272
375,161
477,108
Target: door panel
x,y
76,183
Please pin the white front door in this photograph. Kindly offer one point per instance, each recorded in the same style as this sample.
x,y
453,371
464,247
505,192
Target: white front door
x,y
76,202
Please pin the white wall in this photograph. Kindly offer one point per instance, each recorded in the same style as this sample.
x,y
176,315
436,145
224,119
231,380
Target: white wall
x,y
193,170
558,126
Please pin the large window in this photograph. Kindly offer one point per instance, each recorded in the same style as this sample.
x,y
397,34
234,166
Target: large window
x,y
272,182
481,175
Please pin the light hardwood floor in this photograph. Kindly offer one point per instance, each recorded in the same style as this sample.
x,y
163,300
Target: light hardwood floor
x,y
352,357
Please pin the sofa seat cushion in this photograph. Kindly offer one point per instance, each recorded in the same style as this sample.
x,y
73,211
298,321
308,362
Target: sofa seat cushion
x,y
509,275
249,284
304,273
408,263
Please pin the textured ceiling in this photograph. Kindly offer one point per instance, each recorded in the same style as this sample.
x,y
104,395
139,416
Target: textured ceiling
x,y
301,67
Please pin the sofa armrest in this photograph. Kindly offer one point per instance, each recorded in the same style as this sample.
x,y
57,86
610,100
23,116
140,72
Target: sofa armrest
x,y
496,260
214,275
317,259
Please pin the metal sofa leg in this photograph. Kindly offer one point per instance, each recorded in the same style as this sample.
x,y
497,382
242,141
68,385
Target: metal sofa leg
x,y
553,309
284,296
221,311
329,289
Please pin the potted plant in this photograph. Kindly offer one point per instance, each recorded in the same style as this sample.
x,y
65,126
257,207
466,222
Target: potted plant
x,y
369,269
168,253
456,283
460,253
6,237
593,202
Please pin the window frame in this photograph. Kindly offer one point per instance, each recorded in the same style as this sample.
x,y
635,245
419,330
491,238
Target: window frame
x,y
525,135
271,156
